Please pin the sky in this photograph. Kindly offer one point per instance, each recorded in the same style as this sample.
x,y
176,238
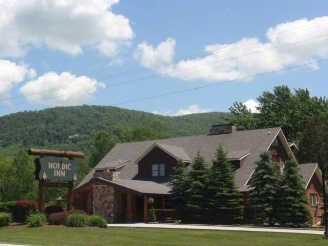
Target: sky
x,y
165,57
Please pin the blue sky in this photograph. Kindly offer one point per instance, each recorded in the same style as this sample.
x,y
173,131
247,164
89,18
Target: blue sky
x,y
165,57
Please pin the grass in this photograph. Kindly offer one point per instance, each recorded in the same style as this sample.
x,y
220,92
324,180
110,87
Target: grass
x,y
64,236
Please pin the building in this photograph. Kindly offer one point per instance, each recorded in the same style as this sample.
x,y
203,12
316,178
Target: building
x,y
119,186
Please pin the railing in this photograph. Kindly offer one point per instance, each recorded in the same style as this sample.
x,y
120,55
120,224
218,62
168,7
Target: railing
x,y
164,214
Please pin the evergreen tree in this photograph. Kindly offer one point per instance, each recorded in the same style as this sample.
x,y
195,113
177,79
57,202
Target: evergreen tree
x,y
264,187
179,186
292,210
224,201
196,190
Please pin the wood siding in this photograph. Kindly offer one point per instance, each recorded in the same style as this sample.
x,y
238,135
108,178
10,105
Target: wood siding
x,y
156,156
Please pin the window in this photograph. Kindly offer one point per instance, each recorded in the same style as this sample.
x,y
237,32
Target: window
x,y
158,170
313,199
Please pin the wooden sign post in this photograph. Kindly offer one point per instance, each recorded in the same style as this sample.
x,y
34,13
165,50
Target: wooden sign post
x,y
53,170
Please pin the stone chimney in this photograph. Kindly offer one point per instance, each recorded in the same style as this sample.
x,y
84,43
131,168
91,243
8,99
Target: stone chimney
x,y
108,174
222,129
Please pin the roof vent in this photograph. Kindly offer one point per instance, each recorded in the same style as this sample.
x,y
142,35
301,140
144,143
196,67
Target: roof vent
x,y
222,129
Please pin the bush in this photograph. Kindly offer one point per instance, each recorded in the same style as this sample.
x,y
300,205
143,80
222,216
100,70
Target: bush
x,y
5,219
36,220
53,209
151,211
77,220
97,221
58,218
24,208
76,211
8,207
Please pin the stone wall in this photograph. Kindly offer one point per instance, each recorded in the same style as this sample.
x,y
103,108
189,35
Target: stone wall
x,y
105,202
222,129
112,176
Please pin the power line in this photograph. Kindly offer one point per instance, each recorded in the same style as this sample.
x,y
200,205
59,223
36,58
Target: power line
x,y
220,83
191,89
173,62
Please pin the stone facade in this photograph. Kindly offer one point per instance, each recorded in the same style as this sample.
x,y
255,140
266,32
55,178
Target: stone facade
x,y
105,197
110,175
222,129
104,202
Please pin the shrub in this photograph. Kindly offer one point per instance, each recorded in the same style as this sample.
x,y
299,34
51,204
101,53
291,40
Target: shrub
x,y
53,209
58,218
36,220
5,219
24,208
76,211
8,207
77,220
97,221
151,211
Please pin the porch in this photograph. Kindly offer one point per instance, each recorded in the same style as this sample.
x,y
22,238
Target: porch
x,y
125,201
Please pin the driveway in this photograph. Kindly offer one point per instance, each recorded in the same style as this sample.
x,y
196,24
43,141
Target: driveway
x,y
219,228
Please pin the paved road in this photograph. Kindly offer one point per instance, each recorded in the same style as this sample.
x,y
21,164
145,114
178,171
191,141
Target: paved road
x,y
225,228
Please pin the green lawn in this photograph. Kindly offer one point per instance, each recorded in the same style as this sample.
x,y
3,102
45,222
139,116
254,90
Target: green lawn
x,y
62,236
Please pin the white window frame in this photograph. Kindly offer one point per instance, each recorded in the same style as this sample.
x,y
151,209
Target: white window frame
x,y
158,170
313,199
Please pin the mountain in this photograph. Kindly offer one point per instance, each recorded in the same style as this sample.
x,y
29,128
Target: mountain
x,y
73,128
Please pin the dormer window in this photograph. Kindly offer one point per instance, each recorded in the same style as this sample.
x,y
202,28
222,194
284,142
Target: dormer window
x,y
158,170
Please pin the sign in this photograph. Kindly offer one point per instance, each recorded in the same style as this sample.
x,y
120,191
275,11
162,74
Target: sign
x,y
58,169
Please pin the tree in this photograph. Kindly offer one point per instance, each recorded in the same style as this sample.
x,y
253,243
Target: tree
x,y
179,186
264,187
196,192
18,181
313,146
281,108
242,117
148,130
103,143
292,210
223,203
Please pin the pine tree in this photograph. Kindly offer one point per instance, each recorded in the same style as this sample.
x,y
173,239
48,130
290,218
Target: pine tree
x,y
292,210
264,187
196,190
224,201
179,186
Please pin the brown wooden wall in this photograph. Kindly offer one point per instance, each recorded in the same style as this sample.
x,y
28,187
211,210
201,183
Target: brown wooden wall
x,y
156,156
315,187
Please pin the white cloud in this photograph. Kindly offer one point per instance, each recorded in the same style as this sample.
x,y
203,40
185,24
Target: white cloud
x,y
150,56
252,104
115,62
11,74
192,109
247,57
60,89
67,26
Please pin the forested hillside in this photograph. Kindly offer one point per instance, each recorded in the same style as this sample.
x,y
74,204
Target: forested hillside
x,y
74,128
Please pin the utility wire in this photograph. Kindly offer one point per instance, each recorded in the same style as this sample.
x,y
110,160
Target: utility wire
x,y
216,84
242,44
190,89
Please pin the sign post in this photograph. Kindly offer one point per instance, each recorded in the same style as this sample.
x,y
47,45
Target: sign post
x,y
55,171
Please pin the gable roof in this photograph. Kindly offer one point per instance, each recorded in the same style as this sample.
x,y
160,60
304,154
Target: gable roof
x,y
176,152
308,170
237,143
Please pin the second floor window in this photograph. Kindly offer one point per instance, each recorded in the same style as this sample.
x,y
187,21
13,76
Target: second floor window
x,y
158,170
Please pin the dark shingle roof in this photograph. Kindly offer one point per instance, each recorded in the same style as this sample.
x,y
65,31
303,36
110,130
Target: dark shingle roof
x,y
142,187
238,143
307,171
